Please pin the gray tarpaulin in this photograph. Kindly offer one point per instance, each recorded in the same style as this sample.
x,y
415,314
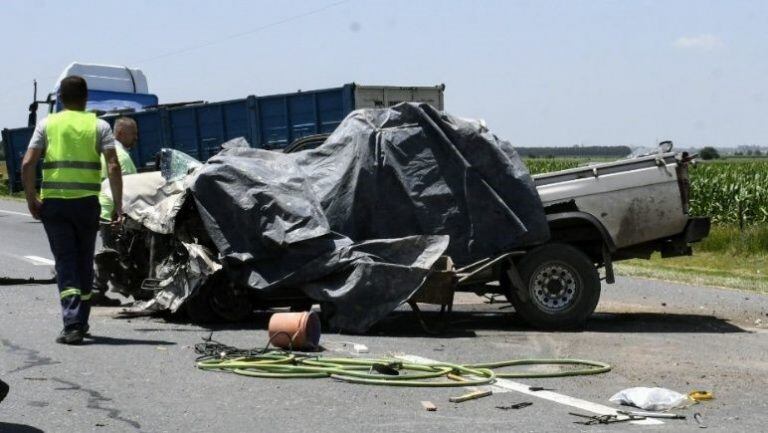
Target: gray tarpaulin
x,y
265,220
359,221
410,169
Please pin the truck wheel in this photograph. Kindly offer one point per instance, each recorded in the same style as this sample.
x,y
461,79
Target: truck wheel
x,y
217,300
561,287
198,306
230,304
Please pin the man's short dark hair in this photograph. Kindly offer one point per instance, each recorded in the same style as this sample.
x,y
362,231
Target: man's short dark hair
x,y
73,90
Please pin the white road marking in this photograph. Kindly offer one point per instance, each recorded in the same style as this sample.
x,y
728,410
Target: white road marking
x,y
506,385
15,213
40,261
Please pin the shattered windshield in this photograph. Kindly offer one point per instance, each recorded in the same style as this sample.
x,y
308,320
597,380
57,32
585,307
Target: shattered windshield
x,y
175,165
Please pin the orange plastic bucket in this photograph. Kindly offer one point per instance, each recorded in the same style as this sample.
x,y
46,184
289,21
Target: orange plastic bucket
x,y
295,331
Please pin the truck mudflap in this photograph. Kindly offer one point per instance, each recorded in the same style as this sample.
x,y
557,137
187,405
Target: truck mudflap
x,y
696,229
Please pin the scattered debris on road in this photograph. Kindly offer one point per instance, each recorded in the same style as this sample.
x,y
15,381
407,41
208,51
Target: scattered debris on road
x,y
654,399
516,405
663,415
428,406
295,331
698,418
281,364
471,396
701,395
605,419
539,388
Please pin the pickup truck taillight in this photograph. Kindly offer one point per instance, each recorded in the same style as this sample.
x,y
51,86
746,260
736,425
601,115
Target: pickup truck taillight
x,y
682,179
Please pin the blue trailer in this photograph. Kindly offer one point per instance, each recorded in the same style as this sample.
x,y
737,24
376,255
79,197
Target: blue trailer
x,y
269,122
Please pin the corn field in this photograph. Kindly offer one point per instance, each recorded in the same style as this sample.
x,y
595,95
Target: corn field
x,y
732,192
545,165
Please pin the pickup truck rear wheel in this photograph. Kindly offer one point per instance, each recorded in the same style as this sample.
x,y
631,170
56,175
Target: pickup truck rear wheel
x,y
561,287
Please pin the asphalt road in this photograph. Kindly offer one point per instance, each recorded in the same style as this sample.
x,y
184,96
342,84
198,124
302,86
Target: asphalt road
x,y
138,374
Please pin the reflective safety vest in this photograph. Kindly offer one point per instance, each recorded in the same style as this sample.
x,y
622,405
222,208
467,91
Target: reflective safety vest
x,y
71,166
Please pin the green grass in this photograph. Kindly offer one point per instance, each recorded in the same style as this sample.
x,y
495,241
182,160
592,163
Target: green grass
x,y
731,241
5,193
703,269
727,258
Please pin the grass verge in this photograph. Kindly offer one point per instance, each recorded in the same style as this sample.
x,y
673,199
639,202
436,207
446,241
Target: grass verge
x,y
6,194
729,257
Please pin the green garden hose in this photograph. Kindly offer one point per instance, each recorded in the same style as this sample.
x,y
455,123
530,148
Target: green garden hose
x,y
277,364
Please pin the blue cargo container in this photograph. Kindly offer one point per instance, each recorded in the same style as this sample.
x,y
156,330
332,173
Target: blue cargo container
x,y
269,122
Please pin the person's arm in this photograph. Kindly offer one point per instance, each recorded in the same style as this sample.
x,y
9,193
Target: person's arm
x,y
115,183
29,179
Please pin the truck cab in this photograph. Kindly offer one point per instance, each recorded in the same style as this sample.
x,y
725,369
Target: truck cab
x,y
110,88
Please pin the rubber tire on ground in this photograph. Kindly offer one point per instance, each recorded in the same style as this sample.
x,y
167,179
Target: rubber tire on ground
x,y
216,301
587,287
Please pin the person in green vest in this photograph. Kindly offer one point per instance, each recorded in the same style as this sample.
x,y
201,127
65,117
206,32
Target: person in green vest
x,y
126,134
70,143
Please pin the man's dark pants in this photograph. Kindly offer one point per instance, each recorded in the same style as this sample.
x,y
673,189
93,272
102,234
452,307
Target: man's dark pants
x,y
71,226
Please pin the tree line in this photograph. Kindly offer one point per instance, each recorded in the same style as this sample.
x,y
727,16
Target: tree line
x,y
575,151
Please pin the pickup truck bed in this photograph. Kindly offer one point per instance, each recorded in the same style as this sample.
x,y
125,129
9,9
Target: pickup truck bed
x,y
636,205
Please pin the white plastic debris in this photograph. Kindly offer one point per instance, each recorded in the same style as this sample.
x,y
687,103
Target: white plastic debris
x,y
349,347
650,398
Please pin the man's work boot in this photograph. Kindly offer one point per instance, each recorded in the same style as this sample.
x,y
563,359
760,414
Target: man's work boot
x,y
72,335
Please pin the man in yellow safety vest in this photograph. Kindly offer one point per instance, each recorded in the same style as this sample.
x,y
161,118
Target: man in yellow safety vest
x,y
70,143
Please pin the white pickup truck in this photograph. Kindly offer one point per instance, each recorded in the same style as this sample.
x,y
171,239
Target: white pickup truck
x,y
599,214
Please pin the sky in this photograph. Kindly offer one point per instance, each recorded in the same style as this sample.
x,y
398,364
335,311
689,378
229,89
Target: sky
x,y
540,73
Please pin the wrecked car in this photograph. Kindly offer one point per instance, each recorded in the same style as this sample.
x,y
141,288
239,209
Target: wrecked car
x,y
358,223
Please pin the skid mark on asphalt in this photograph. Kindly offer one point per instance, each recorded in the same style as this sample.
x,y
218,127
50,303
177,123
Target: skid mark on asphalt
x,y
506,385
34,358
95,400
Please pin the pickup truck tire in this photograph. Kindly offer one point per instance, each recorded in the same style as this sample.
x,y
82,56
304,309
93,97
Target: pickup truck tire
x,y
216,302
561,287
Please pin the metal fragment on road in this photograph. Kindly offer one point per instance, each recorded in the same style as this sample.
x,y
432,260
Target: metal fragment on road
x,y
515,406
428,406
697,417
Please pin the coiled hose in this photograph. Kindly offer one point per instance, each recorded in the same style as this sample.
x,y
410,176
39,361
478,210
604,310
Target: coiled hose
x,y
278,364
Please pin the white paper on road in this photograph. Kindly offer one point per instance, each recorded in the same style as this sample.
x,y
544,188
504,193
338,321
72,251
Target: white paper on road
x,y
506,385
